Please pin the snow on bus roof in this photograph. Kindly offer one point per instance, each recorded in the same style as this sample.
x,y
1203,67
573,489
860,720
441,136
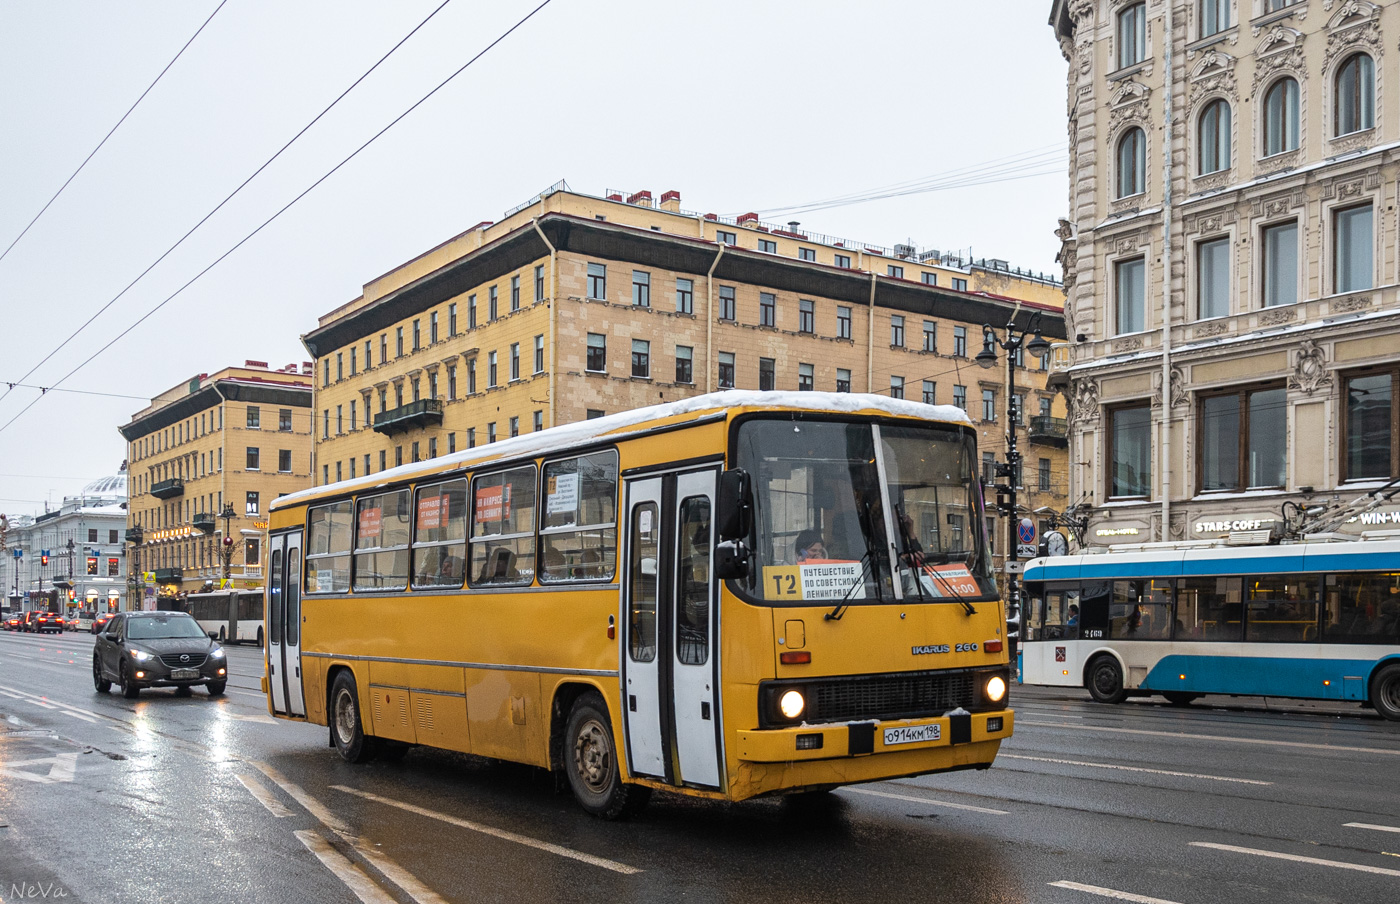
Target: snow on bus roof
x,y
566,436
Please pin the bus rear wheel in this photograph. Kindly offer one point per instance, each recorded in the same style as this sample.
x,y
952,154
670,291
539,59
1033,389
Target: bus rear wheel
x,y
1105,680
591,763
1385,692
351,742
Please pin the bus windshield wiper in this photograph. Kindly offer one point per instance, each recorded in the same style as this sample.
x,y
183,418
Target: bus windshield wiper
x,y
867,566
918,562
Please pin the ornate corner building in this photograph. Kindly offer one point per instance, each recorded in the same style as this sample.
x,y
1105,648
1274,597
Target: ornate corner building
x,y
1231,259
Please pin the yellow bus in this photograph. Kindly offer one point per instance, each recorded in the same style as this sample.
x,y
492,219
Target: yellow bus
x,y
736,595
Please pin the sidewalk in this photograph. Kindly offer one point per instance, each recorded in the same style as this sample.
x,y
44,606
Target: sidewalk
x,y
1334,708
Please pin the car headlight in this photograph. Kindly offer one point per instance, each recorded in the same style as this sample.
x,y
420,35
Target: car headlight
x,y
217,653
996,688
791,704
141,655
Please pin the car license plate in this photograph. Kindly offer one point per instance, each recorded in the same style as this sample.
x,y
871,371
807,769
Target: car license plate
x,y
913,734
182,674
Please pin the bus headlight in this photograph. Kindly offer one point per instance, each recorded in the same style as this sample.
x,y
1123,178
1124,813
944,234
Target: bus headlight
x,y
791,704
996,689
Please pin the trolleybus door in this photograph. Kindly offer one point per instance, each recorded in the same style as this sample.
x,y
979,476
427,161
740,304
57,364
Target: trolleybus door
x,y
641,697
284,625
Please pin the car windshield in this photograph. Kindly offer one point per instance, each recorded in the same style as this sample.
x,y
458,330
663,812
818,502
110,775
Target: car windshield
x,y
159,627
832,501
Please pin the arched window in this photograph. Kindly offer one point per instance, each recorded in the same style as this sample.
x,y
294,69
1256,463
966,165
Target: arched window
x,y
1356,95
1132,163
1214,137
1281,117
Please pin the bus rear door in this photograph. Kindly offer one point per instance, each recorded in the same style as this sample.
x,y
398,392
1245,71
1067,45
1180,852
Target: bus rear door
x,y
670,668
284,625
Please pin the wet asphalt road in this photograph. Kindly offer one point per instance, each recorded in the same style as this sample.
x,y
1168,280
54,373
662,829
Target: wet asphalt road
x,y
158,799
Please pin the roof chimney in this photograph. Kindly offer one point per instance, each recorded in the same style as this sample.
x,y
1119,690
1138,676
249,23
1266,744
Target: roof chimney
x,y
671,201
261,365
307,368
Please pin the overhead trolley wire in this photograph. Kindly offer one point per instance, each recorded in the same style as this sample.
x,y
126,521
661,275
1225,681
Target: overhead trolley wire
x,y
231,195
113,130
241,242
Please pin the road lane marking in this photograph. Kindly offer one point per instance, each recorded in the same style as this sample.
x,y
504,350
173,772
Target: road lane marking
x,y
496,833
354,878
1364,825
264,719
1110,893
49,703
391,870
926,800
1380,871
1213,778
61,768
264,796
1201,737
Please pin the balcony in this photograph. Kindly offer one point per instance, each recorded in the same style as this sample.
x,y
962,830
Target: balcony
x,y
168,489
203,522
1049,431
406,417
1061,357
134,535
169,575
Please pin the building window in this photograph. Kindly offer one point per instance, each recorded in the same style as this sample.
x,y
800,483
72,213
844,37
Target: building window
x,y
515,361
491,432
767,309
338,475
895,270
515,292
451,382
989,467
726,370
326,372
806,380
471,376
767,374
284,461
471,438
1130,451
960,342
354,358
843,379
727,306
641,358
959,285
896,387
1280,269
1044,474
539,354
112,537
1129,294
768,246
383,463
843,261
930,336
1213,277
490,369
685,296
989,404
1215,17
539,282
1372,421
417,344
352,412
928,396
1243,439
413,387
368,363
251,504
1132,35
471,312
433,328
254,417
897,331
1132,163
1213,133
451,443
492,304
539,421
597,352
325,424
684,363
929,279
1355,95
641,288
1351,231
1281,117
726,238
452,319
515,425
960,396
843,322
594,413
807,254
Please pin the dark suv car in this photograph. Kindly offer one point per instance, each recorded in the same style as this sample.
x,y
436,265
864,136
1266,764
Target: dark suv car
x,y
157,649
40,621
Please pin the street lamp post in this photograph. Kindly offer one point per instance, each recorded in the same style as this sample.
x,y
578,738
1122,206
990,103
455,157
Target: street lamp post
x,y
1011,468
133,568
226,549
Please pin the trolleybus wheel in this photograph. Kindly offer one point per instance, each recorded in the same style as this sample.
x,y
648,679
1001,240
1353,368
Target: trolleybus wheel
x,y
222,632
1179,698
101,684
260,643
591,763
1105,682
1385,692
349,735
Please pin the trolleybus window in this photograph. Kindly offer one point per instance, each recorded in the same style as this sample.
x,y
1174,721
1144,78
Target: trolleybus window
x,y
579,531
503,527
381,542
1282,608
646,549
1362,608
327,549
440,535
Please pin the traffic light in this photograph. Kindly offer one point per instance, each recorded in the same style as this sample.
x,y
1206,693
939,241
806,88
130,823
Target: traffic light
x,y
44,558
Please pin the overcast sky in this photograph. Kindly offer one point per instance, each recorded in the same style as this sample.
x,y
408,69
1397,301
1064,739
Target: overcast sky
x,y
737,104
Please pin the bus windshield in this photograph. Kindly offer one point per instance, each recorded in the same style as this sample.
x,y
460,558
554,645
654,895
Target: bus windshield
x,y
854,512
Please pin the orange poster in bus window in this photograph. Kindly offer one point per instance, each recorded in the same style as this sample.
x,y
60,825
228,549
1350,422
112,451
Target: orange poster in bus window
x,y
492,503
431,511
369,522
952,580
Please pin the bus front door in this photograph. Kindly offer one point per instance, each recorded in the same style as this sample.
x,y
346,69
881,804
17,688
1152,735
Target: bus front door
x,y
284,625
670,669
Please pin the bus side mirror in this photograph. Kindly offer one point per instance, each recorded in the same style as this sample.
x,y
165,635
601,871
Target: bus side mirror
x,y
734,504
731,560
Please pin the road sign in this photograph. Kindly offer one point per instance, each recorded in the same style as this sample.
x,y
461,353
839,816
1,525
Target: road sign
x,y
1025,531
1015,567
1026,550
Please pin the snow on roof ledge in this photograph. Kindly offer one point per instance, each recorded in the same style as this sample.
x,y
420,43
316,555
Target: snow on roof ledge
x,y
567,436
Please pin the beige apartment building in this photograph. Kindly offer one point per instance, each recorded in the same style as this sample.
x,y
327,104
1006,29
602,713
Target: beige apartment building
x,y
206,458
574,306
1232,260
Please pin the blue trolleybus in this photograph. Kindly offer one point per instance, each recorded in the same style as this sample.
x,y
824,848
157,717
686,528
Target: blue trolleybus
x,y
1317,620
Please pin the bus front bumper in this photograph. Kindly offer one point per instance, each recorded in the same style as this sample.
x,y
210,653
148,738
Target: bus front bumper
x,y
856,739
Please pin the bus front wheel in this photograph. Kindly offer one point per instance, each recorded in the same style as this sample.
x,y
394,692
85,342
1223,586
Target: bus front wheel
x,y
350,740
1385,692
1179,698
1105,682
591,763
